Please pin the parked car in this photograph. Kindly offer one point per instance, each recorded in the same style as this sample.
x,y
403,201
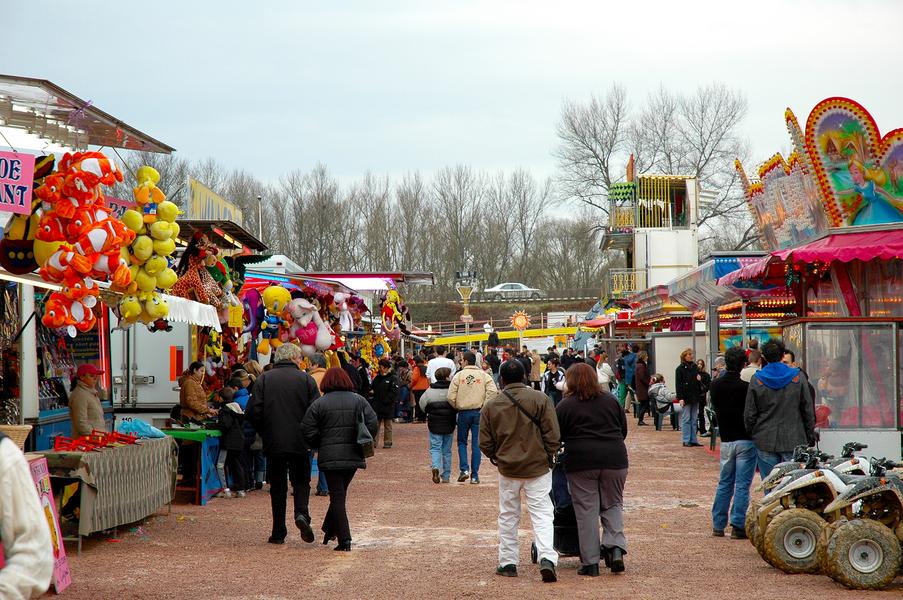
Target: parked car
x,y
512,291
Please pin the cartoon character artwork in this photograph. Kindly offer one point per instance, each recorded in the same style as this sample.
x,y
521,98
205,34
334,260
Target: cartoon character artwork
x,y
859,171
275,299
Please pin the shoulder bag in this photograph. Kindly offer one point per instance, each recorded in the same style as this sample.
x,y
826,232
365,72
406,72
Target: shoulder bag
x,y
364,439
535,421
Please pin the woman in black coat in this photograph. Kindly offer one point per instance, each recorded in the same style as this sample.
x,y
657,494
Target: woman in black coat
x,y
641,385
593,428
688,388
385,394
331,426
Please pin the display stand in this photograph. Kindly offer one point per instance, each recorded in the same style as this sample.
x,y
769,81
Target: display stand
x,y
205,484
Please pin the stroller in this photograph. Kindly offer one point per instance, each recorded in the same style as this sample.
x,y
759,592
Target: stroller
x,y
565,540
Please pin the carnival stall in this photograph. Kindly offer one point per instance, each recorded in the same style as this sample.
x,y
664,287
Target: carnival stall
x,y
831,217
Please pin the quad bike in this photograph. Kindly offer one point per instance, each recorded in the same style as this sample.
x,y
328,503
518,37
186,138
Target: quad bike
x,y
790,539
802,492
865,552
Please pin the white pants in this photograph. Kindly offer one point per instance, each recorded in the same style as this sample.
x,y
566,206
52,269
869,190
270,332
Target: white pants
x,y
539,505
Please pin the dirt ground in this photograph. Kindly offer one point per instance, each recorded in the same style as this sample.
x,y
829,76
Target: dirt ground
x,y
416,539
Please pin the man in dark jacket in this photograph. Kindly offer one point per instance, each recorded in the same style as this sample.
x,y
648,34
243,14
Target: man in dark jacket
x,y
779,412
385,394
738,451
278,402
519,433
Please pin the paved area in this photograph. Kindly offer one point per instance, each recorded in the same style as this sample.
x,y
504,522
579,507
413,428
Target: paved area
x,y
415,539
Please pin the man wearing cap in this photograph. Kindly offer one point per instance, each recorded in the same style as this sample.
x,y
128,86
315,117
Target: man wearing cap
x,y
84,402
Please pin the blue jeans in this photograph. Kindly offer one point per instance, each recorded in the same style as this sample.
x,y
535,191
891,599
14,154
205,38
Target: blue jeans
x,y
767,461
738,465
321,479
440,453
688,418
469,422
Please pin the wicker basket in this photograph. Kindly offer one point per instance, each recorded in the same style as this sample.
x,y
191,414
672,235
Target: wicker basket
x,y
17,433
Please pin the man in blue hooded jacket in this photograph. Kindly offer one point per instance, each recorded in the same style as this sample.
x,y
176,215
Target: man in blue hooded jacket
x,y
778,413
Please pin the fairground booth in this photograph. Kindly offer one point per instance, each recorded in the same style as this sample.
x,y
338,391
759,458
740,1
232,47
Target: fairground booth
x,y
831,218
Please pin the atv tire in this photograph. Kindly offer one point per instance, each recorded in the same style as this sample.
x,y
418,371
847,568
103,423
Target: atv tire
x,y
791,539
751,523
821,550
863,555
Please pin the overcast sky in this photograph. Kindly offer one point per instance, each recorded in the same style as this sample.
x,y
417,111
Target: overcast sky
x,y
397,86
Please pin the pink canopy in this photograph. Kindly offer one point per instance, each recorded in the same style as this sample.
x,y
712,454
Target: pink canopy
x,y
842,247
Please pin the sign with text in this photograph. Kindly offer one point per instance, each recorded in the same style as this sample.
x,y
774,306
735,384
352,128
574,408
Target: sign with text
x,y
16,179
204,203
40,474
117,205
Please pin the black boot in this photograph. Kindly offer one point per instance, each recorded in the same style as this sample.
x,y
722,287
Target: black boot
x,y
344,546
606,556
589,570
617,560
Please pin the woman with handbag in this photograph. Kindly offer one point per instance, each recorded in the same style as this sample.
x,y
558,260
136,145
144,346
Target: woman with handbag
x,y
331,426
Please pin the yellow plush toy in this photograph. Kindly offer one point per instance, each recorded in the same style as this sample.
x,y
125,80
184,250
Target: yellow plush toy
x,y
275,299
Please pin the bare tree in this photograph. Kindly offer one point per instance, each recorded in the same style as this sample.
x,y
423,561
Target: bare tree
x,y
592,136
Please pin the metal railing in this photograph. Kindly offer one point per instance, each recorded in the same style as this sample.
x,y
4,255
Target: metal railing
x,y
625,282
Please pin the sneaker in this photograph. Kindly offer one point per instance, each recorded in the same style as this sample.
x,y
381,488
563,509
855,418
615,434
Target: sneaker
x,y
706,434
474,480
303,525
435,475
547,571
258,485
717,532
462,477
226,493
240,494
738,533
506,570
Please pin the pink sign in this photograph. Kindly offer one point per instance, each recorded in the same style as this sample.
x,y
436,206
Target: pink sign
x,y
16,179
62,578
117,205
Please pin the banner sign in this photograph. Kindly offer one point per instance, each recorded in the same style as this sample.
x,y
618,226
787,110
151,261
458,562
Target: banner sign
x,y
204,203
16,179
117,205
62,578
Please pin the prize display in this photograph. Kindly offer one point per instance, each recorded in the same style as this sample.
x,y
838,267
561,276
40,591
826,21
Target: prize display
x,y
78,241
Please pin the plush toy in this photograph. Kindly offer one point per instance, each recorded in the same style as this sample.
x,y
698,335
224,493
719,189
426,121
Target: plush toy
x,y
147,194
129,308
346,319
275,299
252,302
213,352
308,327
80,241
195,282
392,317
17,251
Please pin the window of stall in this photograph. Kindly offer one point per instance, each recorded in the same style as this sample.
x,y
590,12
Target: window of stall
x,y
853,369
884,288
821,301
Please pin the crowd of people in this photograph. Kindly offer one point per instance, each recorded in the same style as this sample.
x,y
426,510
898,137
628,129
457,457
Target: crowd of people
x,y
534,417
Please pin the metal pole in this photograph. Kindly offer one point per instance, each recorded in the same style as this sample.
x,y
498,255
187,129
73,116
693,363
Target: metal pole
x,y
259,218
745,343
28,357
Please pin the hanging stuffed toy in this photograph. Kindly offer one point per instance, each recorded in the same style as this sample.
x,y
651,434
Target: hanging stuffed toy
x,y
79,234
213,352
17,248
275,299
392,316
194,281
312,333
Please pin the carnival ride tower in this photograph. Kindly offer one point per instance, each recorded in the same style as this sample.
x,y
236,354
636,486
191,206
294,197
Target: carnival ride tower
x,y
654,220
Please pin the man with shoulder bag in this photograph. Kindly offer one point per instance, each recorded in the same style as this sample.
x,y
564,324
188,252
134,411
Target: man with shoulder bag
x,y
520,435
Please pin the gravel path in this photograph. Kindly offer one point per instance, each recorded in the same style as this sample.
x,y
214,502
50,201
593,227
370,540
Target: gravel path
x,y
415,539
